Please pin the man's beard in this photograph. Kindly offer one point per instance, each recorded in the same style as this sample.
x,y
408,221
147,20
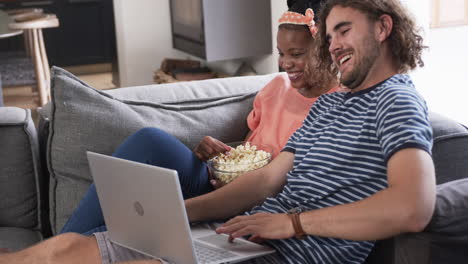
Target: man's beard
x,y
360,71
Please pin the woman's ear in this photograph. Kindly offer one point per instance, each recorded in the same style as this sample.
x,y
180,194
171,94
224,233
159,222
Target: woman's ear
x,y
384,27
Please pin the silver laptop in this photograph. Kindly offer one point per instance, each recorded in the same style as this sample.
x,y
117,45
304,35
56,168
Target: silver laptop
x,y
144,210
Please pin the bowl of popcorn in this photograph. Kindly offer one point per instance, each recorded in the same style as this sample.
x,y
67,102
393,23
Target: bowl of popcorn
x,y
243,157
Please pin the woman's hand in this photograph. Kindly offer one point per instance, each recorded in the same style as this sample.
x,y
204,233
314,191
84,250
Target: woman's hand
x,y
259,226
210,147
215,182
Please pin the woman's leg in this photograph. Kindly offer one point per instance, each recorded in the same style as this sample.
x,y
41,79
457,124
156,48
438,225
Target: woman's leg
x,y
156,147
87,216
151,146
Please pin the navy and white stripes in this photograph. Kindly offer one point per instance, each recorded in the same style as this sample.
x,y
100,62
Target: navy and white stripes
x,y
341,153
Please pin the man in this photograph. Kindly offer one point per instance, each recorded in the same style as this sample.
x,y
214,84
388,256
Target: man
x,y
358,170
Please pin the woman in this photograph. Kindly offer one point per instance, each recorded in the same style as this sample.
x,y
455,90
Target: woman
x,y
278,110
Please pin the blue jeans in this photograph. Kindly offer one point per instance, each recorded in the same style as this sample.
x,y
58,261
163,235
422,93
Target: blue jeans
x,y
151,146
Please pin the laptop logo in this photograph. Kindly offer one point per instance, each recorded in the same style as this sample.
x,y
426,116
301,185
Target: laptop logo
x,y
138,208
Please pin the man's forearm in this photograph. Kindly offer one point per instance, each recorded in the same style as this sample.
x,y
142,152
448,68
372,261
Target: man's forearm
x,y
234,198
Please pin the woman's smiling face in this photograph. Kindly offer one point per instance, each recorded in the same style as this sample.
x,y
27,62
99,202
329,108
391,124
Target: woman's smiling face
x,y
293,47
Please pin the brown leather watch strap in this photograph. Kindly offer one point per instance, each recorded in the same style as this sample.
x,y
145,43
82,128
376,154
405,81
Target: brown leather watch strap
x,y
296,221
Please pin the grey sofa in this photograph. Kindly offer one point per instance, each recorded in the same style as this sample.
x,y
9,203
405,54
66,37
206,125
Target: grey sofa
x,y
44,173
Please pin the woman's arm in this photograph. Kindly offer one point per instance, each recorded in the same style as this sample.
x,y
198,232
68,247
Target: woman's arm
x,y
248,135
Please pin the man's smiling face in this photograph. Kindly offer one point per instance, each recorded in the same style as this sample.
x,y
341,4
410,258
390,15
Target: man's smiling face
x,y
352,44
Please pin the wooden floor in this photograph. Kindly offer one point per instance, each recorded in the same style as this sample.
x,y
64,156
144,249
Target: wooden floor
x,y
22,96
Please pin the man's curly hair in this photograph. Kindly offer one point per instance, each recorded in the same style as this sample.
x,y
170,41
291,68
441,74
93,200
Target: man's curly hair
x,y
406,43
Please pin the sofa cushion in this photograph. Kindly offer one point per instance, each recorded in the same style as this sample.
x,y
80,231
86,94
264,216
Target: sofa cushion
x,y
19,170
449,224
449,151
450,217
83,119
18,238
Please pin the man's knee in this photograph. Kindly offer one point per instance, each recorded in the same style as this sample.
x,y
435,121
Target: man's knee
x,y
73,248
66,240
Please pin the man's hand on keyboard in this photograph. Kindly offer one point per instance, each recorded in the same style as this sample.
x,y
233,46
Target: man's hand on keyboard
x,y
259,226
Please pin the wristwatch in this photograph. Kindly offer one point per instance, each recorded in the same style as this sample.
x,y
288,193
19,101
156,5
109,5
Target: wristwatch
x,y
294,214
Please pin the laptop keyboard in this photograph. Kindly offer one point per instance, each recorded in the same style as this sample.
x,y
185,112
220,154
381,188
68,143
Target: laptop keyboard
x,y
206,254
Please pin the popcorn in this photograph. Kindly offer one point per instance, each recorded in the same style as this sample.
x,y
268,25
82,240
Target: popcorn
x,y
239,160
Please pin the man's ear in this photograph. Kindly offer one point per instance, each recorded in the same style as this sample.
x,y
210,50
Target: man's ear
x,y
384,27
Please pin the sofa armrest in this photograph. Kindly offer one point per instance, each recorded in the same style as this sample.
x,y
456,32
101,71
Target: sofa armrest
x,y
451,211
449,224
13,116
20,170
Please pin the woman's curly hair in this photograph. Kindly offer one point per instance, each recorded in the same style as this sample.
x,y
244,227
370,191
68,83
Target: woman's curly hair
x,y
406,43
317,76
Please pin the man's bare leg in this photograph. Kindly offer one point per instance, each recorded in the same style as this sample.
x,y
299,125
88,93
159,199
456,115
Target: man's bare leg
x,y
69,248
141,262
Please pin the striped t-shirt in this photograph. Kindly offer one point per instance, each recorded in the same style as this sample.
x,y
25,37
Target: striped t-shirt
x,y
341,153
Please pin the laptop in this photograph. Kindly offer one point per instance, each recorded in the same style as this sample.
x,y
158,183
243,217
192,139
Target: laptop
x,y
144,211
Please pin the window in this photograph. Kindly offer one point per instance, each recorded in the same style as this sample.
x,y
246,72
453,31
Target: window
x,y
449,13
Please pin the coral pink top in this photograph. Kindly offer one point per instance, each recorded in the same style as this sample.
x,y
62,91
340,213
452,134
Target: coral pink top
x,y
278,110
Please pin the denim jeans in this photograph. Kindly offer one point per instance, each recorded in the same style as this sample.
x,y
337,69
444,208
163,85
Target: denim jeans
x,y
151,146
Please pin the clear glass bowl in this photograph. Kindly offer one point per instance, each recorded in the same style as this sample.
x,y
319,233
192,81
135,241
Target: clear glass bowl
x,y
227,172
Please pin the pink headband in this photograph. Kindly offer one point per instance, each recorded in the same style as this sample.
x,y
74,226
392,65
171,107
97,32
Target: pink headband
x,y
289,17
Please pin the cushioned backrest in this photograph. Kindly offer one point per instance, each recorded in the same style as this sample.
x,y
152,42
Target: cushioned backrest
x,y
19,170
86,119
450,150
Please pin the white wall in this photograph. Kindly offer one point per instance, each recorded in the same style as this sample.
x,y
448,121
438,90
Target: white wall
x,y
143,31
269,64
144,39
443,79
421,10
446,88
